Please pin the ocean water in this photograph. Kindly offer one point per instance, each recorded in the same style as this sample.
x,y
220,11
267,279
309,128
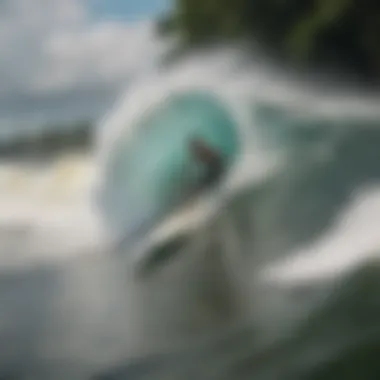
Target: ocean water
x,y
272,274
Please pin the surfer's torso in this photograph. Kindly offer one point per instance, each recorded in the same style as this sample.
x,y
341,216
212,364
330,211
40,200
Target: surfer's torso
x,y
211,160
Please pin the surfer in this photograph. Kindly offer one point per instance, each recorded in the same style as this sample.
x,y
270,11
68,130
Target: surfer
x,y
209,158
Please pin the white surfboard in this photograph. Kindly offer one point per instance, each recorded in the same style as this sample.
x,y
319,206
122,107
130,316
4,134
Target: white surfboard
x,y
183,222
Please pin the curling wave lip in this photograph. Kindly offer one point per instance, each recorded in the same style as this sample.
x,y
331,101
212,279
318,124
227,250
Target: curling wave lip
x,y
152,173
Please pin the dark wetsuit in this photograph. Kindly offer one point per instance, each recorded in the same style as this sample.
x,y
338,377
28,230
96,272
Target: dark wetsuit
x,y
210,159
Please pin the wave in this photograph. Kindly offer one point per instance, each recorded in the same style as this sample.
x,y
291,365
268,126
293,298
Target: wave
x,y
269,260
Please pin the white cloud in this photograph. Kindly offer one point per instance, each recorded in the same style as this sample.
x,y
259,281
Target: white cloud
x,y
51,49
105,53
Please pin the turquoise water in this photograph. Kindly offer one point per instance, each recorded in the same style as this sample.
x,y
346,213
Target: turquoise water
x,y
153,171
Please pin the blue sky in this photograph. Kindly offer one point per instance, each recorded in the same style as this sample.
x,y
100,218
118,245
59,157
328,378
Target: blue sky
x,y
128,9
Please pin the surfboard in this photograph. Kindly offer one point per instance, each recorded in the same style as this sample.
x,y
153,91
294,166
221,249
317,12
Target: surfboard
x,y
180,225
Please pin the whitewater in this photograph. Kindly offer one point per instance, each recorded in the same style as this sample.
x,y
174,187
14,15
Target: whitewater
x,y
294,217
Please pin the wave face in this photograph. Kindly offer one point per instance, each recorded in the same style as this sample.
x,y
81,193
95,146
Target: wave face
x,y
295,212
305,152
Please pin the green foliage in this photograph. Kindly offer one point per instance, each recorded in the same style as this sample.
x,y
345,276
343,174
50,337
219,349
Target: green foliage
x,y
343,32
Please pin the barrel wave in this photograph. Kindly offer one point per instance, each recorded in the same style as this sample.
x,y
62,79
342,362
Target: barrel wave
x,y
152,171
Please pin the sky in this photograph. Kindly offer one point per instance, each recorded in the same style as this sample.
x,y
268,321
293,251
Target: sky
x,y
128,9
68,59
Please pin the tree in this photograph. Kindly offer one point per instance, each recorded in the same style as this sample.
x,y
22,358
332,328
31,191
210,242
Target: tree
x,y
341,32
